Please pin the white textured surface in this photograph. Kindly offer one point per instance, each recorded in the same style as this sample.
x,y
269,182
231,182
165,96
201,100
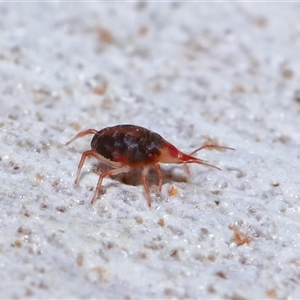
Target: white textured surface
x,y
191,72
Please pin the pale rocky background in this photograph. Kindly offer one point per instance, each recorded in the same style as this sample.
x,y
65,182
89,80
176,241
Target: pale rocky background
x,y
193,72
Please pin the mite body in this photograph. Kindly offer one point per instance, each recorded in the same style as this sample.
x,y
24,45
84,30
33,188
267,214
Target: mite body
x,y
127,147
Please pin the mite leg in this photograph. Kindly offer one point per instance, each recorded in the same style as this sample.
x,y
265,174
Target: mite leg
x,y
83,157
116,171
99,157
186,169
160,176
146,187
81,134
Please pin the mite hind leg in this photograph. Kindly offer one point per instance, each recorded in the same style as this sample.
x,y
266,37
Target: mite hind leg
x,y
115,171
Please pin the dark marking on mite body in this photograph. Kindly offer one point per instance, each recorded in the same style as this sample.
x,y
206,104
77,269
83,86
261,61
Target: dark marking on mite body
x,y
133,146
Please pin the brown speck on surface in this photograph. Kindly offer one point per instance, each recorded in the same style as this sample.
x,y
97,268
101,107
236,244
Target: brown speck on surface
x,y
18,244
174,253
236,296
99,274
24,231
39,176
43,206
79,260
172,191
38,100
287,73
107,102
104,35
297,96
272,293
221,275
143,30
161,222
61,209
55,183
211,290
139,220
238,88
215,192
101,88
240,237
211,258
261,21
76,125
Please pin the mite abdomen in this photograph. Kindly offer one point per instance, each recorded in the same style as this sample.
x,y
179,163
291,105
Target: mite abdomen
x,y
128,144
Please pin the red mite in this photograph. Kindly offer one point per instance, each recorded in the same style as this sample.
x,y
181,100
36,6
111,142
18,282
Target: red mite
x,y
127,147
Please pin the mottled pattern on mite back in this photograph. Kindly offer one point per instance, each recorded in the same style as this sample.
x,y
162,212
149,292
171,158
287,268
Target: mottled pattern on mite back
x,y
128,144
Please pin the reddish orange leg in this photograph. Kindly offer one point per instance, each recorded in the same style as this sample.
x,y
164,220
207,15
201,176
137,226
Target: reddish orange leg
x,y
108,173
147,190
160,176
186,169
83,157
81,134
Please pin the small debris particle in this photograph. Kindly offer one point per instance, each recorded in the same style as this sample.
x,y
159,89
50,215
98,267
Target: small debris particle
x,y
215,192
174,253
221,275
39,176
104,35
212,258
287,73
261,21
99,274
101,88
61,209
55,183
139,220
18,244
172,191
161,222
143,30
239,88
43,206
79,260
297,96
240,237
75,125
272,293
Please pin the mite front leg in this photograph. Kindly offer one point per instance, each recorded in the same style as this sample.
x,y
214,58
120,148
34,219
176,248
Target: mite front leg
x,y
81,134
83,157
116,171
